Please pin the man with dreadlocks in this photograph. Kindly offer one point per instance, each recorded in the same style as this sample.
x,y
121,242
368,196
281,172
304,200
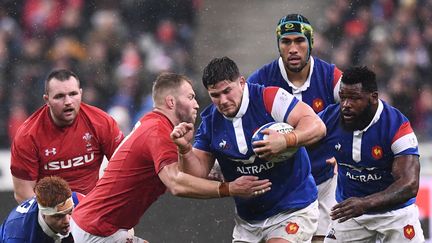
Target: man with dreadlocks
x,y
44,217
312,81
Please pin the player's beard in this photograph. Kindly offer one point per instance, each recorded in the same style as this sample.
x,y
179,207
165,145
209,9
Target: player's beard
x,y
362,119
184,114
295,69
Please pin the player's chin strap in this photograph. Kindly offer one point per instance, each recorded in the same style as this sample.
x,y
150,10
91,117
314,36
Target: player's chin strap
x,y
61,208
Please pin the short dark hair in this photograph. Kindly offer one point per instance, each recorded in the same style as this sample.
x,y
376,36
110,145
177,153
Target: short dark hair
x,y
363,75
167,80
61,75
220,69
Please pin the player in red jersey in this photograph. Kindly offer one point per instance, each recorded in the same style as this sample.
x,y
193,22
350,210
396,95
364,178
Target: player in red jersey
x,y
65,137
145,165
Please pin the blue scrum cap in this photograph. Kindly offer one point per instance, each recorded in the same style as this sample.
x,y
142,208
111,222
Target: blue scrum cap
x,y
295,24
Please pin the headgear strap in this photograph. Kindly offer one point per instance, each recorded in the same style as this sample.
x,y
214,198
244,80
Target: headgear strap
x,y
61,208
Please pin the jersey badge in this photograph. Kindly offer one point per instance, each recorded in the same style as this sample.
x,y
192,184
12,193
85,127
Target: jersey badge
x,y
87,138
317,105
409,232
292,228
377,152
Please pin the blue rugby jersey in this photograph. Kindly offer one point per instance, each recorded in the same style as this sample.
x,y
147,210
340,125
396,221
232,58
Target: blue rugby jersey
x,y
229,139
22,224
365,158
320,90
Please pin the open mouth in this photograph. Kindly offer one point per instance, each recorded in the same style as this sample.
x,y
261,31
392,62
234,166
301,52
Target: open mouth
x,y
68,110
348,116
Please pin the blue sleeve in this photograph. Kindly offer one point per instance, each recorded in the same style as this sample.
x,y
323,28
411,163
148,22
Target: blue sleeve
x,y
202,138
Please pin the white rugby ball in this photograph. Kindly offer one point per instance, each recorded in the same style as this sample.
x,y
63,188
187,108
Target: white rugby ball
x,y
279,127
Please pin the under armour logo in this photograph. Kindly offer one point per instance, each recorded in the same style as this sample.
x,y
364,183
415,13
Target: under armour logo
x,y
52,151
338,147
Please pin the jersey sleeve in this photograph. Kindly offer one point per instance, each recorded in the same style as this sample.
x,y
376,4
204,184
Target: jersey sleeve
x,y
337,76
279,103
404,141
162,148
24,159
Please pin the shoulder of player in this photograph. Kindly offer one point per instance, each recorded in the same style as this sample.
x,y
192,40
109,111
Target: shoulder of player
x,y
261,74
94,113
330,112
33,123
326,69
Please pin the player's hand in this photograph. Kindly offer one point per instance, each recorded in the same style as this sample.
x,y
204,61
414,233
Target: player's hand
x,y
350,208
182,134
249,186
273,145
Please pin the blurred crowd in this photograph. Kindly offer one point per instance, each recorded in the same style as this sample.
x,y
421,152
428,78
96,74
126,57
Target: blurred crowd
x,y
394,38
118,47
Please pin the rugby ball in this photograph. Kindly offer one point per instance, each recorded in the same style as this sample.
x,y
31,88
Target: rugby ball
x,y
279,127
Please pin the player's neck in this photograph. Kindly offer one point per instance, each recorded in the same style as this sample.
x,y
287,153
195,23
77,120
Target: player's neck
x,y
170,115
299,78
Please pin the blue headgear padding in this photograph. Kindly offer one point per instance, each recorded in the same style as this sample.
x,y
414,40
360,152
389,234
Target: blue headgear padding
x,y
295,24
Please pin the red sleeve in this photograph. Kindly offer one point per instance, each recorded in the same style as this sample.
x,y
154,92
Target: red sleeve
x,y
269,97
24,159
163,150
404,129
337,74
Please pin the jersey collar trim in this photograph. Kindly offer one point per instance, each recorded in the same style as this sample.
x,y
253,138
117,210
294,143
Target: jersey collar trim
x,y
375,118
294,88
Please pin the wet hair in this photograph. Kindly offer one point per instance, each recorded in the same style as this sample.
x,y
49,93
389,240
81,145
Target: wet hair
x,y
165,81
51,191
295,24
363,75
220,69
61,75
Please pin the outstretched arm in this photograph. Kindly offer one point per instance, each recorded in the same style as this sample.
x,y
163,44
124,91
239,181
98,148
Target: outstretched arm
x,y
185,185
405,170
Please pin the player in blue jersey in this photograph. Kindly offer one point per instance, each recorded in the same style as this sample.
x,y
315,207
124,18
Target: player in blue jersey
x,y
378,165
289,211
312,81
44,217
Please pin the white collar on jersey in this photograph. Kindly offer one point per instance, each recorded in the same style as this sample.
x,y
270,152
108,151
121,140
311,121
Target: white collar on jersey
x,y
244,104
296,89
375,118
47,230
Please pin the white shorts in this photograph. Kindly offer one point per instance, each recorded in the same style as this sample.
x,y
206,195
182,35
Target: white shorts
x,y
122,235
297,226
326,200
401,225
